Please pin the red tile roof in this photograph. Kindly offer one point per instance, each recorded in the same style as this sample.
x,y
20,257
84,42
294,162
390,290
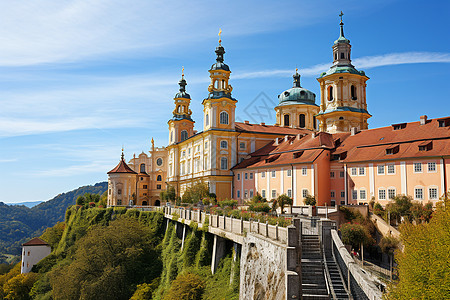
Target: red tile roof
x,y
367,145
36,242
269,129
122,167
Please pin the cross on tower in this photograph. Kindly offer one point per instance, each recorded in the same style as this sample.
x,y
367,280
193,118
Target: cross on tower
x,y
341,14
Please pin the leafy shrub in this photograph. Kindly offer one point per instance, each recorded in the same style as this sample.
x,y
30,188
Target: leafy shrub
x,y
259,207
355,235
310,200
187,286
228,203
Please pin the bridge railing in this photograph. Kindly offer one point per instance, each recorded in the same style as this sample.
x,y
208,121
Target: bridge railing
x,y
359,283
229,224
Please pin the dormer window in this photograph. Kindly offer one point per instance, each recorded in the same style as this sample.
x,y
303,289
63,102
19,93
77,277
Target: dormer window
x,y
399,126
297,154
444,122
393,149
426,146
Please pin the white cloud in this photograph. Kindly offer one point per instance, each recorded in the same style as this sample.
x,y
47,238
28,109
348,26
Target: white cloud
x,y
366,62
68,31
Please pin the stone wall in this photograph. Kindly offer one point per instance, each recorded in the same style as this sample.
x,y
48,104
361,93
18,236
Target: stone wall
x,y
263,268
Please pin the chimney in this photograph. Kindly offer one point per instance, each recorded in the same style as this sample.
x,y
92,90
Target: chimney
x,y
354,130
313,135
299,136
263,124
423,119
286,138
246,122
276,142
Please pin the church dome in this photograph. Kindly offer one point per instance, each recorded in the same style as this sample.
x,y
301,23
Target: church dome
x,y
297,94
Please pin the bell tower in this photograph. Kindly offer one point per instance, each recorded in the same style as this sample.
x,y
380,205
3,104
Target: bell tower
x,y
181,126
343,91
219,107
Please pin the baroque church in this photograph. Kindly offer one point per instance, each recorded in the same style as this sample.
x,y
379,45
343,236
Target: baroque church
x,y
325,150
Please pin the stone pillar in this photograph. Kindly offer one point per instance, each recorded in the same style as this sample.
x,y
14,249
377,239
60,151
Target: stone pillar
x,y
325,227
183,237
293,280
218,252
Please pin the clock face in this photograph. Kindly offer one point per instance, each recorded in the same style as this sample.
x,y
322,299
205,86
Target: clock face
x,y
159,162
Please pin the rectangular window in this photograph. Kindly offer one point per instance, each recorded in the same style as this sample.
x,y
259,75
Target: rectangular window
x,y
354,194
245,194
417,167
251,176
304,193
391,193
246,176
362,194
274,194
382,194
432,193
418,193
342,194
289,173
145,186
331,174
431,167
341,174
354,172
332,194
238,193
391,169
273,174
263,193
333,202
263,174
251,193
362,171
189,151
238,176
304,171
381,170
289,193
158,186
242,145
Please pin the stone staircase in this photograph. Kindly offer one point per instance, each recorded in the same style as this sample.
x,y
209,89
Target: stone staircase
x,y
314,285
337,283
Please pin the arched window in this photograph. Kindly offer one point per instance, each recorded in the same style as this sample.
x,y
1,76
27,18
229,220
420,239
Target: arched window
x,y
286,120
335,55
184,135
223,84
224,118
330,93
171,136
207,120
159,178
223,145
224,163
314,122
342,55
142,168
216,84
301,122
353,92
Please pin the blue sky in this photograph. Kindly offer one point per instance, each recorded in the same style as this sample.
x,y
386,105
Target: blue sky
x,y
79,79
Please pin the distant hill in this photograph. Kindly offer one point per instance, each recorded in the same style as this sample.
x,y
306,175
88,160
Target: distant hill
x,y
19,223
27,204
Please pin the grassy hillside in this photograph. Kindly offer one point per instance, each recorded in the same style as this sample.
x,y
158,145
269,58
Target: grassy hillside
x,y
19,223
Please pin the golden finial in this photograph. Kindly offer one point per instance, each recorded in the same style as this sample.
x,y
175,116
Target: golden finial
x,y
122,156
182,75
296,70
220,37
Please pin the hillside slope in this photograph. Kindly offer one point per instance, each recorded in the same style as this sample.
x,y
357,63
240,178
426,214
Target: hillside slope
x,y
19,223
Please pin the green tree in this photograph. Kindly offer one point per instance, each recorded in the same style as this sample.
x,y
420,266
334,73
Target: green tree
x,y
19,286
355,235
108,262
257,198
169,194
187,286
145,291
388,245
195,193
81,200
424,264
310,200
283,200
52,235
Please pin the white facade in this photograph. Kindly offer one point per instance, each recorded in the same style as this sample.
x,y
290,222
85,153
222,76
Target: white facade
x,y
31,255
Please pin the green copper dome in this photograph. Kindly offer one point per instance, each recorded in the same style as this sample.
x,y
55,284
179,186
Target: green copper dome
x,y
297,94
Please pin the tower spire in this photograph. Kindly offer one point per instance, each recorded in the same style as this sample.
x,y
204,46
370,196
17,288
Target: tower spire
x,y
341,24
122,156
182,82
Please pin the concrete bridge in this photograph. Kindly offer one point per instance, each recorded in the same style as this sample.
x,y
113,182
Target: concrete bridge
x,y
305,260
